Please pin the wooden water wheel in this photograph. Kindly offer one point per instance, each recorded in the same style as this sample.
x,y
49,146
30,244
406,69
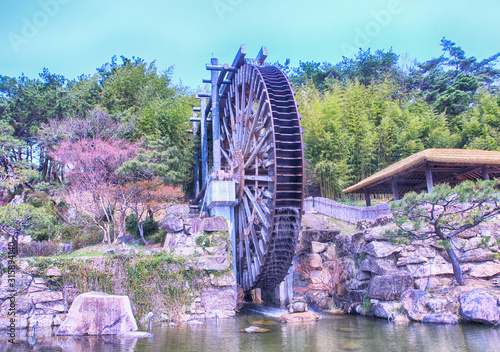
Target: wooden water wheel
x,y
261,144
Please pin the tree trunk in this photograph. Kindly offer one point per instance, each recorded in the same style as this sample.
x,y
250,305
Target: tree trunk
x,y
140,225
121,232
456,266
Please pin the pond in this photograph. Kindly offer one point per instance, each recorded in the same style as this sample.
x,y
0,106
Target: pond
x,y
331,333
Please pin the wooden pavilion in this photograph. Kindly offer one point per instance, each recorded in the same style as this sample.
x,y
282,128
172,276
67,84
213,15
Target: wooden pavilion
x,y
422,170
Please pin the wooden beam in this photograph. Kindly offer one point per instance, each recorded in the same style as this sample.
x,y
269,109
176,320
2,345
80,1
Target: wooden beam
x,y
486,175
395,192
367,198
428,177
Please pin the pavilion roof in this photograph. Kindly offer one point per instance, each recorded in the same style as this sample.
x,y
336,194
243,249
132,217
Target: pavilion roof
x,y
447,165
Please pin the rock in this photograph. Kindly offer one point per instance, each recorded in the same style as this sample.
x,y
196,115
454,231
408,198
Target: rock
x,y
297,305
377,266
315,262
45,296
378,234
314,222
215,223
385,310
380,249
215,263
318,235
427,252
51,307
21,283
172,225
378,222
425,270
440,318
58,319
22,305
331,252
413,304
21,322
318,247
41,320
96,313
38,284
222,280
478,306
436,305
431,283
474,255
194,322
53,272
299,317
483,270
363,275
389,287
348,244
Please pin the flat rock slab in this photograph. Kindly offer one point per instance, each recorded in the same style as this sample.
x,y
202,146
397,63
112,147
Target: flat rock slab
x,y
96,313
299,317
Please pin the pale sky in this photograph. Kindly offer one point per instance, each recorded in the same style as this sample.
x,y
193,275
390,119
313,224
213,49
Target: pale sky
x,y
74,37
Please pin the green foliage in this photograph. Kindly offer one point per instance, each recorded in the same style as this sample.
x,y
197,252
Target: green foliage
x,y
446,213
25,219
203,241
151,227
367,305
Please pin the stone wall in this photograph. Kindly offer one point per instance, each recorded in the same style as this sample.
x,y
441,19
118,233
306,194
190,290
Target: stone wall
x,y
370,273
189,280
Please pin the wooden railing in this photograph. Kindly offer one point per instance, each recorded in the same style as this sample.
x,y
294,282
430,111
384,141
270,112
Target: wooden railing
x,y
345,212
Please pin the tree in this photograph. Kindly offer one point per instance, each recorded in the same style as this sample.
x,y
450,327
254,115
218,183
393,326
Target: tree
x,y
446,213
146,198
25,219
90,170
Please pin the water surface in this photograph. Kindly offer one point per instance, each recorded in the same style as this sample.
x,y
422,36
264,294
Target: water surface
x,y
332,333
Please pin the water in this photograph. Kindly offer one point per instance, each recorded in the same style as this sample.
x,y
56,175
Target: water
x,y
332,333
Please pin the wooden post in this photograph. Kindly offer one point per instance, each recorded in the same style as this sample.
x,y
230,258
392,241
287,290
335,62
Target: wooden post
x,y
395,192
204,141
215,116
367,198
196,159
486,175
428,177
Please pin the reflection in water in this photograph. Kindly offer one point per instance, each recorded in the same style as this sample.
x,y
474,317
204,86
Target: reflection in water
x,y
332,333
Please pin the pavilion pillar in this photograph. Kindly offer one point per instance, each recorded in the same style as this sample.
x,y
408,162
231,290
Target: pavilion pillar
x,y
486,175
428,177
395,192
367,198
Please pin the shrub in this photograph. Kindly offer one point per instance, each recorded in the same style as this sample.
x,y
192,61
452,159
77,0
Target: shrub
x,y
38,249
151,227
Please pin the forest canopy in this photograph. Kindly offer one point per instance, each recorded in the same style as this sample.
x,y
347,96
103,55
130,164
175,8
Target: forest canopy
x,y
88,150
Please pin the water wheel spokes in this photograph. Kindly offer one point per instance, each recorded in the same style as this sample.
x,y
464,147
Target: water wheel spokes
x,y
262,146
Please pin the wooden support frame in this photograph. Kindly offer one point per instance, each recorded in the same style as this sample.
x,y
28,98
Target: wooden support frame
x,y
428,178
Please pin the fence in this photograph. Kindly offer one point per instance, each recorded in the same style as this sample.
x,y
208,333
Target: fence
x,y
345,212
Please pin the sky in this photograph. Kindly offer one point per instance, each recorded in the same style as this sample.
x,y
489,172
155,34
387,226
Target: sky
x,y
75,37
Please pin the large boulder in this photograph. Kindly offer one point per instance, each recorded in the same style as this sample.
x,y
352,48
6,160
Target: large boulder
x,y
389,287
215,223
413,303
297,305
480,307
380,249
96,313
172,225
